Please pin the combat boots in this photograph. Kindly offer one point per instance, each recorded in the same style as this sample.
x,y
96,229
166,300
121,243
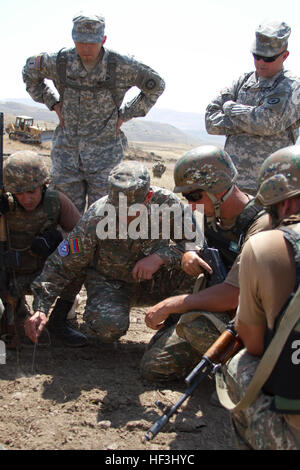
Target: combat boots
x,y
59,329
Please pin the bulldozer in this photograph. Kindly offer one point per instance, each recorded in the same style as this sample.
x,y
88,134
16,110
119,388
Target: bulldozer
x,y
24,131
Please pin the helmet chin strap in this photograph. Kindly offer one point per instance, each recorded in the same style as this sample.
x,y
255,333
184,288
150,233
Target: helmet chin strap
x,y
212,221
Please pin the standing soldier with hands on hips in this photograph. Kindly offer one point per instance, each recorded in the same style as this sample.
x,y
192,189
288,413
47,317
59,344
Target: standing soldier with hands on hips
x,y
92,82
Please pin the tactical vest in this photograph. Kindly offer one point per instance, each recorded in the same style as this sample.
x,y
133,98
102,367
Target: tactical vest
x,y
109,83
229,243
24,226
284,381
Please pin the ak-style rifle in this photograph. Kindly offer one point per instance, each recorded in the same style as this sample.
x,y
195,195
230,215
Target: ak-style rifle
x,y
225,347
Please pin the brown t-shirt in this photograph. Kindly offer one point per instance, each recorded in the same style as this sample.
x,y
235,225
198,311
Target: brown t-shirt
x,y
69,215
267,278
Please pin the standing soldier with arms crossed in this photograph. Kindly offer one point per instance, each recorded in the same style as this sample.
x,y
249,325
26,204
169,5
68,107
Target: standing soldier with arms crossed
x,y
259,113
92,82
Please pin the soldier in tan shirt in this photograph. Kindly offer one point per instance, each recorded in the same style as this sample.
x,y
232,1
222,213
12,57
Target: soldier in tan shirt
x,y
267,279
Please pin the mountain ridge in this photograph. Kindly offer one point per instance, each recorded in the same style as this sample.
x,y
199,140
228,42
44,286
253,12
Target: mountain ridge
x,y
159,125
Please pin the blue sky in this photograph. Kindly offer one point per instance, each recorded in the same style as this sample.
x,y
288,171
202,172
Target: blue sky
x,y
197,46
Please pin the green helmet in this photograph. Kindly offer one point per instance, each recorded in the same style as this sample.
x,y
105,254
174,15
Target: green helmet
x,y
207,167
279,176
24,171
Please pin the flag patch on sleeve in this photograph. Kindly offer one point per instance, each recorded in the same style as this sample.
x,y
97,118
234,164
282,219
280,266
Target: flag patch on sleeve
x,y
75,245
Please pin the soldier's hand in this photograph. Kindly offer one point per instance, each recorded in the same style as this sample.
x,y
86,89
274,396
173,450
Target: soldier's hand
x,y
146,267
57,109
156,315
34,325
193,265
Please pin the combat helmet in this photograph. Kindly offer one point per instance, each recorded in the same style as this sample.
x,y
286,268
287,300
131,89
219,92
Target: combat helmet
x,y
24,171
207,167
279,176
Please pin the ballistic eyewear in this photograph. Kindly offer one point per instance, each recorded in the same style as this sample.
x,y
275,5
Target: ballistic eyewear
x,y
194,196
267,59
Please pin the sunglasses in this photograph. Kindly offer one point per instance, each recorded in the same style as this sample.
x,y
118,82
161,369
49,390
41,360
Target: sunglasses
x,y
267,59
194,196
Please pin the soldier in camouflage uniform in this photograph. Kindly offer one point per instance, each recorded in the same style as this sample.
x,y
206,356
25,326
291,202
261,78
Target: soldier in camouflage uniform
x,y
33,215
92,82
272,420
259,113
120,268
204,175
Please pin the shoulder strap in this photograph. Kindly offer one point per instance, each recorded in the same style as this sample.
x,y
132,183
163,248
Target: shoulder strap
x,y
267,362
247,217
266,365
51,205
109,83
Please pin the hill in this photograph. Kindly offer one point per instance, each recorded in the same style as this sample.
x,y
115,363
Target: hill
x,y
160,125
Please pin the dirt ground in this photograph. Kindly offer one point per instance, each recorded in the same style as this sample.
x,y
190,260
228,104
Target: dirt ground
x,y
93,398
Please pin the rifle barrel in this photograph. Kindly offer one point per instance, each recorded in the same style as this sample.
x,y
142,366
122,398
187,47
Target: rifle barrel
x,y
195,377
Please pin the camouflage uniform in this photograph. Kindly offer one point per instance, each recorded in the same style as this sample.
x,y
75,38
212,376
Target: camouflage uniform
x,y
87,148
23,226
107,264
257,115
176,349
25,171
259,426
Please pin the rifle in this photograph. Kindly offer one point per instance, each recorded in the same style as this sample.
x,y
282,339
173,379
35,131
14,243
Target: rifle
x,y
212,257
8,261
224,348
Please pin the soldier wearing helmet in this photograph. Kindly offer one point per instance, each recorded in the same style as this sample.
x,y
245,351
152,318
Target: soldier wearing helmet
x,y
205,175
114,249
272,420
33,214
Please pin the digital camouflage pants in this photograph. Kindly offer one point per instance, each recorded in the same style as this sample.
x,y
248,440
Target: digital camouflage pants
x,y
256,427
80,167
109,301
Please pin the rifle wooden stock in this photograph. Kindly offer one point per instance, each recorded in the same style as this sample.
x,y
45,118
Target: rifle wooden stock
x,y
224,348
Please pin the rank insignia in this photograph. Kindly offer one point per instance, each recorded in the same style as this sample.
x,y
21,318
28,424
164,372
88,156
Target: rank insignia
x,y
75,245
63,248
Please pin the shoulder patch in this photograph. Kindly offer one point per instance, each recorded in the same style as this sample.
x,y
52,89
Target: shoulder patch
x,y
63,248
273,100
150,84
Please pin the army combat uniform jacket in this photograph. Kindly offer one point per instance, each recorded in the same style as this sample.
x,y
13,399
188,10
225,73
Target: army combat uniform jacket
x,y
87,147
107,265
258,117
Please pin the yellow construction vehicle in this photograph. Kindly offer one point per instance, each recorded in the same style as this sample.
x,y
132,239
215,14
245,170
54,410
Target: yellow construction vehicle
x,y
24,131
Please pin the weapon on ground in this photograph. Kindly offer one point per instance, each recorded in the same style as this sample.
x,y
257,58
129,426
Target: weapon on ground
x,y
224,348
